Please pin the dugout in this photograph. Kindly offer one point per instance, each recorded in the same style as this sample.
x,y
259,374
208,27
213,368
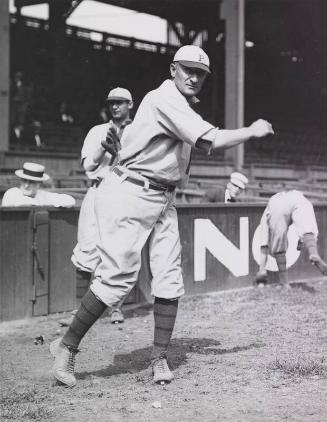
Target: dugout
x,y
218,241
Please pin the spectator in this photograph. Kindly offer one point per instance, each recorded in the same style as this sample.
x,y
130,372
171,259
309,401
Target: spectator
x,y
65,115
283,209
37,128
29,192
235,186
20,101
33,129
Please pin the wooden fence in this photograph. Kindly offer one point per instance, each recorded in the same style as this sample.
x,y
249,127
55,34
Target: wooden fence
x,y
219,243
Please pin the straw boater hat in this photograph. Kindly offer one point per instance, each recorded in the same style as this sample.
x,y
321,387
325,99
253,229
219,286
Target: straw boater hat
x,y
32,171
239,179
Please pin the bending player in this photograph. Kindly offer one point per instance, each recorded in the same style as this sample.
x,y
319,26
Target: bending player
x,y
283,209
136,203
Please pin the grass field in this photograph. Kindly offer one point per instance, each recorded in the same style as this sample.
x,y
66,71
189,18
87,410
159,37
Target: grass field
x,y
250,355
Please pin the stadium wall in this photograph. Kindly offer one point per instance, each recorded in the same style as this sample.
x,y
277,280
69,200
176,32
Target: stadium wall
x,y
219,247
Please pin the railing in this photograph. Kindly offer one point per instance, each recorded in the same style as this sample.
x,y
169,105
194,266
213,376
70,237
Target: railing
x,y
100,40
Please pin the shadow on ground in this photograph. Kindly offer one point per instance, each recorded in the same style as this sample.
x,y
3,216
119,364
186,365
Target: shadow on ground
x,y
303,286
179,349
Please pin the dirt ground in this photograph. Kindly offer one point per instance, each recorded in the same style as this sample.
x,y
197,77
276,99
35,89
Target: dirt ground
x,y
251,355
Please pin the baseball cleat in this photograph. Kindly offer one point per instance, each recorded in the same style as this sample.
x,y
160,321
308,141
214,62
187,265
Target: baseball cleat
x,y
117,316
319,263
63,368
160,370
261,278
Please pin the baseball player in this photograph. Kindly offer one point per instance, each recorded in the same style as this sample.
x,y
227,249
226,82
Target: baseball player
x,y
235,186
96,158
136,203
283,209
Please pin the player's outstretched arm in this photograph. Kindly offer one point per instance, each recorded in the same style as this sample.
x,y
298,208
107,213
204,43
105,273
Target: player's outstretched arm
x,y
225,138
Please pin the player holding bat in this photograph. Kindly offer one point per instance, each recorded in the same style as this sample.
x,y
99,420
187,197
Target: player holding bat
x,y
99,151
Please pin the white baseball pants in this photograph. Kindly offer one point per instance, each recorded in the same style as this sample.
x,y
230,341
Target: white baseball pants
x,y
127,216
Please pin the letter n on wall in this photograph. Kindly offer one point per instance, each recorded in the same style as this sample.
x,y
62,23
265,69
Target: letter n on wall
x,y
207,236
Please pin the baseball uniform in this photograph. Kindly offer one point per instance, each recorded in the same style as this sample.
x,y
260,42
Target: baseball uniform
x,y
283,209
137,200
85,256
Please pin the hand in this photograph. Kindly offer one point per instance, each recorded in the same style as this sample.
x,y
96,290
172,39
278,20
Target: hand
x,y
261,128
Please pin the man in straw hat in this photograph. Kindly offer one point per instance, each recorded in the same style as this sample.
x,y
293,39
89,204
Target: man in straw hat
x,y
32,175
235,186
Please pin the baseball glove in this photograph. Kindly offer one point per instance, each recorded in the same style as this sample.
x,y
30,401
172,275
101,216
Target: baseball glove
x,y
111,143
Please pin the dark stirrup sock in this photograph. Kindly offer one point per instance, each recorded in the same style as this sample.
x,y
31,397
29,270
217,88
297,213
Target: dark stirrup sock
x,y
310,243
83,279
89,311
164,311
282,270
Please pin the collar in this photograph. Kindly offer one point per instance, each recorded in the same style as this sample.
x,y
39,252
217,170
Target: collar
x,y
169,86
228,198
123,125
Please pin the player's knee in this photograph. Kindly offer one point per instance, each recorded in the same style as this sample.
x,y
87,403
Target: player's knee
x,y
165,300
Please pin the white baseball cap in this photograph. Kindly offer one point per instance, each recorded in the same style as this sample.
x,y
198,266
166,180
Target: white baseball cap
x,y
32,171
238,179
119,94
192,56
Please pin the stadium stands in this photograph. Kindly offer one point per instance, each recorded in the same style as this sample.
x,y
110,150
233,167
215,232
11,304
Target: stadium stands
x,y
294,158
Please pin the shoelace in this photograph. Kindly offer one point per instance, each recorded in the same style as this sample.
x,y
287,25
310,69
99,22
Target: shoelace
x,y
161,364
71,360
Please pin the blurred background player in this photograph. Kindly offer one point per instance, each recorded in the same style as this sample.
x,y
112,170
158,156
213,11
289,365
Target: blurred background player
x,y
283,209
32,175
235,186
96,161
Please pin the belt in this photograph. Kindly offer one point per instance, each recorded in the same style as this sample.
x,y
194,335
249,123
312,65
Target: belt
x,y
96,182
168,188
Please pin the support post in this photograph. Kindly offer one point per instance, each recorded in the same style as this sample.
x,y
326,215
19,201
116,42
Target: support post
x,y
57,23
233,12
4,75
